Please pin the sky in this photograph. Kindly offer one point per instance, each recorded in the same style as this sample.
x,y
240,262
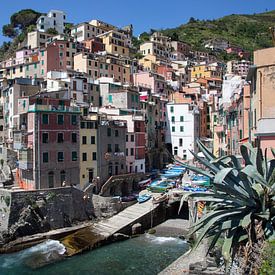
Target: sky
x,y
143,14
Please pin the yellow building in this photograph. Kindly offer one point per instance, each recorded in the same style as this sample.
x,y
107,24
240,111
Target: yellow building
x,y
149,62
115,42
204,71
88,149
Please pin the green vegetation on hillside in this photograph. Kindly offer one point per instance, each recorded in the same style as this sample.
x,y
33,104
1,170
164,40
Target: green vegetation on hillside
x,y
20,24
250,32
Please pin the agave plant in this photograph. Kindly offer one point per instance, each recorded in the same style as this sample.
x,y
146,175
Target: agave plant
x,y
242,201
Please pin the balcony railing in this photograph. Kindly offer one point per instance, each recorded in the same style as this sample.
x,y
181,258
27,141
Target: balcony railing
x,y
50,108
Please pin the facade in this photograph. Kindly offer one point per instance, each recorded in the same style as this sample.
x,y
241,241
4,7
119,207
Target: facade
x,y
37,39
50,150
262,118
238,67
112,148
88,149
182,129
55,19
115,42
85,31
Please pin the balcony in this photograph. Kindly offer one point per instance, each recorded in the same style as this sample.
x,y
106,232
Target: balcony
x,y
50,108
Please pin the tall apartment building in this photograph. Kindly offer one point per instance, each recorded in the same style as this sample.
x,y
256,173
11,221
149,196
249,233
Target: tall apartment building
x,y
50,143
182,129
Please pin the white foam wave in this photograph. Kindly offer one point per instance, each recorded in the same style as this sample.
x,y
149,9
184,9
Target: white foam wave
x,y
46,249
162,240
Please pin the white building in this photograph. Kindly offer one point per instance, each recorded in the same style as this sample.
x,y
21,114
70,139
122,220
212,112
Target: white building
x,y
55,19
86,31
182,129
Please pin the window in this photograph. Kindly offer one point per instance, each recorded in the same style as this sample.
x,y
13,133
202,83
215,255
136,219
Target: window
x,y
116,133
109,148
126,151
115,48
175,151
42,53
181,129
21,69
94,155
74,156
173,119
141,167
173,129
45,137
132,151
60,156
126,138
132,138
45,119
116,148
45,157
92,139
60,119
74,138
61,54
42,71
181,118
109,132
84,156
110,98
180,142
60,137
84,140
172,109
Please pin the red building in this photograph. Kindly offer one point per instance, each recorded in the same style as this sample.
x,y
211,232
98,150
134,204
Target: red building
x,y
51,153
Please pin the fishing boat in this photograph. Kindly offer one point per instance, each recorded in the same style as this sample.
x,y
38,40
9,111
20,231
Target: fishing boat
x,y
144,183
144,198
161,198
170,175
161,186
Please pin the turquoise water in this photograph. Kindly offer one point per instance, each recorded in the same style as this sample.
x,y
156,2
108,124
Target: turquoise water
x,y
147,254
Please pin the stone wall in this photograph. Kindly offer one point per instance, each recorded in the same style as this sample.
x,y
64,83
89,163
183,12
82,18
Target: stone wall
x,y
42,210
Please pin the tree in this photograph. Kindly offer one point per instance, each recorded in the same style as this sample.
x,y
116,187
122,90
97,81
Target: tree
x,y
9,31
24,18
52,31
68,27
192,20
19,22
175,36
242,202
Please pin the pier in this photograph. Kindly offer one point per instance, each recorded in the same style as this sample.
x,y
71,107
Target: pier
x,y
102,232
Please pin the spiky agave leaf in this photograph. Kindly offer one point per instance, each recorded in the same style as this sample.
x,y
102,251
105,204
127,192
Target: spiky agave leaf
x,y
240,196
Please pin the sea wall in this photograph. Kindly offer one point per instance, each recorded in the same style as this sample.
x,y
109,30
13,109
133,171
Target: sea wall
x,y
29,212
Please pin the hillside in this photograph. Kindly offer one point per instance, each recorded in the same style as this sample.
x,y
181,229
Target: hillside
x,y
247,31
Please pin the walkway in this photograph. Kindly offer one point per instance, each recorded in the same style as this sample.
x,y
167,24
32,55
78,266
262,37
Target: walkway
x,y
97,233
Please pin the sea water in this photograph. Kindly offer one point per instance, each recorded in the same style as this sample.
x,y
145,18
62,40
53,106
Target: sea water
x,y
146,254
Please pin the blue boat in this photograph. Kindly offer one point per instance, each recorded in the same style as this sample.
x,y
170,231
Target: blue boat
x,y
170,175
144,198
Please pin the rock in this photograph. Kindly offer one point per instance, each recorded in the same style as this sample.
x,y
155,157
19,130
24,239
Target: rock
x,y
136,229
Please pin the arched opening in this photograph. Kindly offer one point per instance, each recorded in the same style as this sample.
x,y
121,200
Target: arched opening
x,y
62,177
51,179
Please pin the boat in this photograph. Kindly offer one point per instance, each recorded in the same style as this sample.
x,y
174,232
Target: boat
x,y
161,185
144,198
161,198
144,183
194,189
170,175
